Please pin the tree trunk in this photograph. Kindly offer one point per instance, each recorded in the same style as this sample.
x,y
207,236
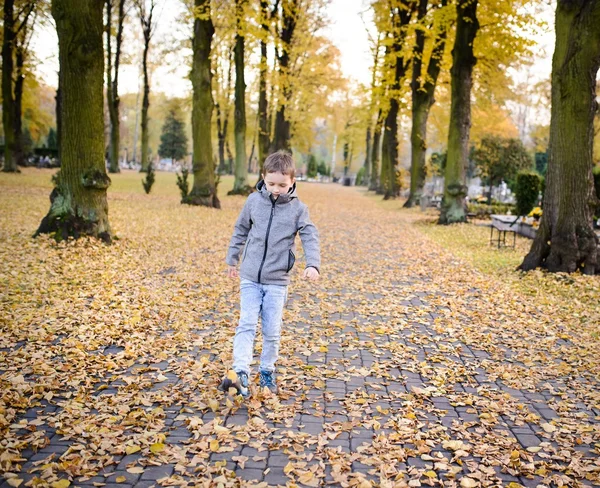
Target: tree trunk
x,y
145,106
422,100
389,161
374,183
565,241
8,101
367,163
223,122
78,202
263,108
463,61
240,185
389,157
147,28
19,153
203,191
113,84
221,133
281,136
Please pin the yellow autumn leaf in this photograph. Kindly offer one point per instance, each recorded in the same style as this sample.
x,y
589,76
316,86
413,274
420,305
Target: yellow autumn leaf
x,y
120,479
214,445
549,428
135,470
132,449
157,447
63,483
467,482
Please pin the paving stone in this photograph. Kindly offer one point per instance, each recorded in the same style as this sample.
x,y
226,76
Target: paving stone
x,y
157,472
249,474
130,478
276,477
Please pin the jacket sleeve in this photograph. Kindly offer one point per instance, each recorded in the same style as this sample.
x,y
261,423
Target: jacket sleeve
x,y
310,240
240,234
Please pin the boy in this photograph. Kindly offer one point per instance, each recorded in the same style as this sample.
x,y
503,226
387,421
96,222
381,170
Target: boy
x,y
267,225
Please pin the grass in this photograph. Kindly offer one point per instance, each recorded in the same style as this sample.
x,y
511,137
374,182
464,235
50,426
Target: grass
x,y
471,243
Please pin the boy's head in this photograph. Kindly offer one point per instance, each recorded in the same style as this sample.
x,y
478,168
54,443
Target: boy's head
x,y
279,172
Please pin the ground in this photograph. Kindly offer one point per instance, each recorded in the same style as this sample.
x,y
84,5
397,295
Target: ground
x,y
421,357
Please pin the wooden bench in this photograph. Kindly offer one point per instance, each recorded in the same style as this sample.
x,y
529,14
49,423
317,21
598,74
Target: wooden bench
x,y
504,224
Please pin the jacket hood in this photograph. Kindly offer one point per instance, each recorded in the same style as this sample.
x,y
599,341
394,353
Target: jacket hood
x,y
261,187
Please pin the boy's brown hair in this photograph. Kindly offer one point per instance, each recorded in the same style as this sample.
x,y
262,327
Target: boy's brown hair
x,y
280,162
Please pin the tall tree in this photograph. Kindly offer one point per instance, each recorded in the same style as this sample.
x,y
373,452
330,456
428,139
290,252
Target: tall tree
x,y
112,81
78,201
145,13
23,33
565,241
400,13
223,96
266,16
282,133
374,183
463,61
240,185
372,105
8,99
423,88
204,191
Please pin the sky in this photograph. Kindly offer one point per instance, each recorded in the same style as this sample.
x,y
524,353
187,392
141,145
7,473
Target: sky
x,y
347,31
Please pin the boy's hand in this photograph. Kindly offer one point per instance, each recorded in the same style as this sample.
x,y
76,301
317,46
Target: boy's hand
x,y
232,272
311,273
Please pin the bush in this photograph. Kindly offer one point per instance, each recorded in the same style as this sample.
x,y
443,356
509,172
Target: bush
x,y
483,211
323,169
311,167
149,180
360,176
527,191
182,183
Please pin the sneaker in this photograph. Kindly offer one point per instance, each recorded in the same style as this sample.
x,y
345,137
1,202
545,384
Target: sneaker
x,y
237,380
267,379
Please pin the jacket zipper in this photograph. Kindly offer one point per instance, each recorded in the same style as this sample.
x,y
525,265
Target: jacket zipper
x,y
266,240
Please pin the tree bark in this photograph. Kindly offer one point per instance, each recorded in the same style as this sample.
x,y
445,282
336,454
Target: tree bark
x,y
8,101
422,100
565,241
240,185
263,108
203,190
463,61
375,156
112,89
78,202
147,29
19,153
367,163
400,16
282,133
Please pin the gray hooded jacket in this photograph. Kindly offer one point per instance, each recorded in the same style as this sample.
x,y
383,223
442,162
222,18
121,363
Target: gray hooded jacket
x,y
268,228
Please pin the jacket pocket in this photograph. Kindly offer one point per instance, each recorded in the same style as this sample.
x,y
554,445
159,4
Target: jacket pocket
x,y
246,249
291,261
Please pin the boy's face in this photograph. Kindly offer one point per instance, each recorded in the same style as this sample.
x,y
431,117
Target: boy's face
x,y
278,183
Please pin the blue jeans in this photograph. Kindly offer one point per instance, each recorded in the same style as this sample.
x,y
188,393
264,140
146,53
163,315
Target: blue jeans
x,y
266,301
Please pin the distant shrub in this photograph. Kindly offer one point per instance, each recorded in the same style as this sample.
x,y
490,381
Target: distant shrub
x,y
183,184
360,176
149,180
483,211
527,191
